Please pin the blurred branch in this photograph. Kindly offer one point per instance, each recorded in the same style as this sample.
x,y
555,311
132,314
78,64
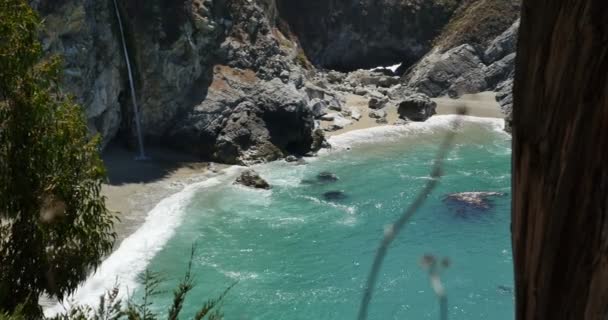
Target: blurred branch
x,y
394,229
434,269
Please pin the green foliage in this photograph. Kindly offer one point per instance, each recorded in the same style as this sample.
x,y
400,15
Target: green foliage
x,y
54,226
111,308
302,59
16,314
141,311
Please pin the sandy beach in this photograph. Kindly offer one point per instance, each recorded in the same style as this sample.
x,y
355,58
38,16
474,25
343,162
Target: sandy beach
x,y
481,104
135,187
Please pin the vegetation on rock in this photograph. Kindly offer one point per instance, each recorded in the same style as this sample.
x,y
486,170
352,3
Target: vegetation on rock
x,y
478,22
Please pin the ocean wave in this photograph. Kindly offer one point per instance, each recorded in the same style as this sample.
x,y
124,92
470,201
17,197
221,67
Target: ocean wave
x,y
130,259
279,173
349,219
391,133
240,276
347,209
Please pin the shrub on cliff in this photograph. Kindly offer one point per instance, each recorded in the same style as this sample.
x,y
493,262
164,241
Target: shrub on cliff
x,y
54,226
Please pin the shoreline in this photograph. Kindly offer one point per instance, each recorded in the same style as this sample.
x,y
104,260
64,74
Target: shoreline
x,y
483,105
134,188
149,195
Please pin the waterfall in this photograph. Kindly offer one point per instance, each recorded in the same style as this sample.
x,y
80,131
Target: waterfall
x,y
142,155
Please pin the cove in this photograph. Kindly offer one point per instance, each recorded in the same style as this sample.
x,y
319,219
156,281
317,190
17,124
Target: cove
x,y
298,255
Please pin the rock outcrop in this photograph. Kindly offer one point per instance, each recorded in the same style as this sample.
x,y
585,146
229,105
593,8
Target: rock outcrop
x,y
214,78
351,34
464,204
82,33
242,81
465,68
246,120
474,53
252,179
417,107
172,46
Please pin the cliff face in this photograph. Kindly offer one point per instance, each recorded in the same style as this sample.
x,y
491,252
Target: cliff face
x,y
83,33
237,80
172,46
475,52
350,34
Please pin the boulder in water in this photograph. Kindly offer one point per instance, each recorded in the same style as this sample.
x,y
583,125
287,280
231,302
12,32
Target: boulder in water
x,y
334,195
471,200
505,289
252,179
291,158
327,177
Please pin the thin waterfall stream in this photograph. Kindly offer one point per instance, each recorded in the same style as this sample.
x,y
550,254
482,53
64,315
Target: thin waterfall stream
x,y
142,154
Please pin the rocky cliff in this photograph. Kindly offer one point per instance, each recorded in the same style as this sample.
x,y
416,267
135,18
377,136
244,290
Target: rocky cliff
x,y
243,81
350,34
83,33
474,53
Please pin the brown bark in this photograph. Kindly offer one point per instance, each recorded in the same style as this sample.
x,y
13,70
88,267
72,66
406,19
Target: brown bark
x,y
560,164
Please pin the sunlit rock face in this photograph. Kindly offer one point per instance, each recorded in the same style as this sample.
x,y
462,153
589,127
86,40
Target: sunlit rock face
x,y
174,47
82,32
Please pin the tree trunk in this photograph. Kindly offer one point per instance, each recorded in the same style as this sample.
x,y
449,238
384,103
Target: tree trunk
x,y
560,163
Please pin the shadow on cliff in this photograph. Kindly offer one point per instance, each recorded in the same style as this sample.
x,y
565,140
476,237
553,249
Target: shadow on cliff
x,y
171,78
346,35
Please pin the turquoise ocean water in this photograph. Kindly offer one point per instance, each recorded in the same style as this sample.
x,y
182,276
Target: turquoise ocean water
x,y
297,255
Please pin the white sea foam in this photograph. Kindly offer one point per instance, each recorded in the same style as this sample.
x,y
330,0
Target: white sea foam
x,y
393,68
391,133
347,209
240,276
124,265
350,217
281,173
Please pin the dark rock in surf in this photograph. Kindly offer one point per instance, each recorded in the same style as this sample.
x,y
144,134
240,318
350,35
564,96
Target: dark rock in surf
x,y
252,179
505,290
327,177
465,202
295,160
334,195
